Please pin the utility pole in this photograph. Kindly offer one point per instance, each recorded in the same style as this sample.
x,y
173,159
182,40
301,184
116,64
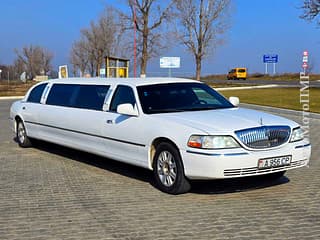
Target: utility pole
x,y
134,40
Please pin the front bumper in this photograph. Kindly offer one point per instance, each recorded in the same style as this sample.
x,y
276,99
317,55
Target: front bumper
x,y
231,163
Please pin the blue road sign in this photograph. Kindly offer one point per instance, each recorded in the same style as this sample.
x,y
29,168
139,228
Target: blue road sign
x,y
270,58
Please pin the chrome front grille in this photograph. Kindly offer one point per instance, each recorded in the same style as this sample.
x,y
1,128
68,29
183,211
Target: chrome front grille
x,y
264,136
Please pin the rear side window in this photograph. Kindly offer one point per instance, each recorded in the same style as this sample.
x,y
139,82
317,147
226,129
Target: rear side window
x,y
36,93
61,95
241,70
78,96
123,94
90,97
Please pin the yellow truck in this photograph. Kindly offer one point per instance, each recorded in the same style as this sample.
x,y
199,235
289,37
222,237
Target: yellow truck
x,y
237,73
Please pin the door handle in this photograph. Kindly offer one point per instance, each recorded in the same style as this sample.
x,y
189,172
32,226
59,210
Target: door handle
x,y
23,108
109,121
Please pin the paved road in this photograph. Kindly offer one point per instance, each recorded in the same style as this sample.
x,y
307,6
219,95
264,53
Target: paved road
x,y
50,192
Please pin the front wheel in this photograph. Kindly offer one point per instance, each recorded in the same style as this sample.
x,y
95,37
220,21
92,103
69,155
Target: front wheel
x,y
22,137
168,170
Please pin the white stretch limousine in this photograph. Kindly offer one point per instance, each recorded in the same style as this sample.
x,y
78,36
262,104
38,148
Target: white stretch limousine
x,y
181,129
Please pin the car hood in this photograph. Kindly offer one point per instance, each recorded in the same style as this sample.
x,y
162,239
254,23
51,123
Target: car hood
x,y
225,120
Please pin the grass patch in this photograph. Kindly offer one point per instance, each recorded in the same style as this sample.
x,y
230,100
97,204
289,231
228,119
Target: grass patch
x,y
223,85
277,97
15,88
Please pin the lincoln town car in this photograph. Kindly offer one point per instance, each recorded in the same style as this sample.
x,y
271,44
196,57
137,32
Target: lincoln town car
x,y
180,129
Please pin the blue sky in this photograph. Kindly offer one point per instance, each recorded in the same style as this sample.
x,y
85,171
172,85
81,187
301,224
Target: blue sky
x,y
256,28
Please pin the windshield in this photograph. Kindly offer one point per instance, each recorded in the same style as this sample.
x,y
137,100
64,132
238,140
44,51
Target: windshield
x,y
177,97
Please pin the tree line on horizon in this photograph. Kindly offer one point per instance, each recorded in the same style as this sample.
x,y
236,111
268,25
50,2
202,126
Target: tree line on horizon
x,y
196,24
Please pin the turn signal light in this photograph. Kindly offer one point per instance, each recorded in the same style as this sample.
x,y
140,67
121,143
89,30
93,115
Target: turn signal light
x,y
194,144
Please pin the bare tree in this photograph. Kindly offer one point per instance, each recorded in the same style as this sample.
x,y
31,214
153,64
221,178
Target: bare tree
x,y
19,67
100,39
311,10
4,71
149,20
201,23
79,57
37,60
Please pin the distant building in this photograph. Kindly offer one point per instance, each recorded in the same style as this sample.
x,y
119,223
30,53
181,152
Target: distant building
x,y
117,67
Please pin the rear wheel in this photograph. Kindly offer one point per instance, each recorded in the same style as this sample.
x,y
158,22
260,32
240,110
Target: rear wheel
x,y
22,137
168,170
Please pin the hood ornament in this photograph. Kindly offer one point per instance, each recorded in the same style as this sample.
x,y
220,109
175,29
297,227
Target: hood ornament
x,y
261,121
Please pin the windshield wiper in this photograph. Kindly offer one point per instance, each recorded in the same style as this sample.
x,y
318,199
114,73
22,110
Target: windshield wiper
x,y
171,110
199,108
206,108
166,110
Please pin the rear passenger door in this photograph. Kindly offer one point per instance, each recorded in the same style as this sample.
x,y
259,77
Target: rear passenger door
x,y
74,116
87,117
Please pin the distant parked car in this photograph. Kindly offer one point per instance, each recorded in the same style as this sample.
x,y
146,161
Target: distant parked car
x,y
237,73
180,129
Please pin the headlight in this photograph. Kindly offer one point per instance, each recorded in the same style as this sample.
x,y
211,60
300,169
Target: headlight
x,y
212,142
297,135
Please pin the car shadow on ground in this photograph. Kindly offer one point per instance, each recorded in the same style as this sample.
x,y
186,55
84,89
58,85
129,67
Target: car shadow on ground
x,y
120,168
223,186
220,186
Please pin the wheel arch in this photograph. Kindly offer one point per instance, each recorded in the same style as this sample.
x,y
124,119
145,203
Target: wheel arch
x,y
17,119
154,145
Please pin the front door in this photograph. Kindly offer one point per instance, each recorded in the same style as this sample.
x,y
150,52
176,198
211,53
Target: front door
x,y
124,136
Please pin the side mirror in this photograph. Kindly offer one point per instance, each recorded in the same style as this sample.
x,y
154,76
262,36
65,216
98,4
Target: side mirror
x,y
234,101
127,109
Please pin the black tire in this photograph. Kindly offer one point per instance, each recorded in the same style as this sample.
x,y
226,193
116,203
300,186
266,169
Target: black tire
x,y
168,170
21,135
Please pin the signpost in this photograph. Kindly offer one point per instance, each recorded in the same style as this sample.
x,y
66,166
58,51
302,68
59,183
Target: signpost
x,y
305,59
270,58
170,62
63,71
102,72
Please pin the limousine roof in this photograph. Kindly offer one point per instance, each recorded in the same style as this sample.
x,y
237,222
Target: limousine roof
x,y
129,81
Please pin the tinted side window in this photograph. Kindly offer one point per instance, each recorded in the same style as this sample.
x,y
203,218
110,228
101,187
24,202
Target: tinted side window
x,y
61,94
36,93
123,94
90,97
